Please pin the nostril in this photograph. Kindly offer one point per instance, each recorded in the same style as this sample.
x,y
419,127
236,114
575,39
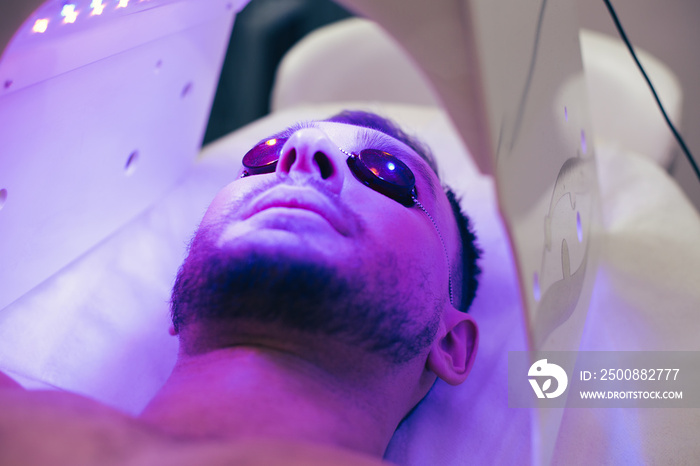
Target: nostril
x,y
285,163
324,165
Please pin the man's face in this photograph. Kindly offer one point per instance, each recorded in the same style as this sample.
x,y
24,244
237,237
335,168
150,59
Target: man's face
x,y
309,251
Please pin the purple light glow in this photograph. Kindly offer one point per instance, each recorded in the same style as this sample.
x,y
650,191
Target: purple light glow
x,y
97,7
41,25
579,228
536,286
130,165
69,14
186,90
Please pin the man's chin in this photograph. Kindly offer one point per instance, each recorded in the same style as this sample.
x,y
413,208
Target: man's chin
x,y
268,282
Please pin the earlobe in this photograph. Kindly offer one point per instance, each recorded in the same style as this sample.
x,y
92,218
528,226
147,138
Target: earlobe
x,y
452,356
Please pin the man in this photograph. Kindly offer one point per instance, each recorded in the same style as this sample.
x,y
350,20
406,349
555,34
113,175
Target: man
x,y
323,295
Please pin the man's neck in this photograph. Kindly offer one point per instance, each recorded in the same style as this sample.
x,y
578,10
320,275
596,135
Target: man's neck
x,y
241,392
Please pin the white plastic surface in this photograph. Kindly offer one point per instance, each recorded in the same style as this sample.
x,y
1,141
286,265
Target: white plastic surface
x,y
97,123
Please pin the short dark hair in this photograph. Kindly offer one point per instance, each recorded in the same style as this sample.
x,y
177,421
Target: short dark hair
x,y
470,252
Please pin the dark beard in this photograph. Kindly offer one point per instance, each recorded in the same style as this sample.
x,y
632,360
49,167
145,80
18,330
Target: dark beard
x,y
279,290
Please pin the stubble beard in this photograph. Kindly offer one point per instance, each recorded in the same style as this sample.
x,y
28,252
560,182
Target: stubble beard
x,y
274,293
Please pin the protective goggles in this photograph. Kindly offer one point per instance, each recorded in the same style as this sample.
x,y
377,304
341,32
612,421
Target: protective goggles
x,y
374,168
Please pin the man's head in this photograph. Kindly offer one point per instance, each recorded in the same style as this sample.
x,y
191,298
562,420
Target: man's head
x,y
313,252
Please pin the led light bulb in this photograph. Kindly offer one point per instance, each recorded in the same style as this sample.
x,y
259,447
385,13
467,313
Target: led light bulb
x,y
97,7
40,25
69,14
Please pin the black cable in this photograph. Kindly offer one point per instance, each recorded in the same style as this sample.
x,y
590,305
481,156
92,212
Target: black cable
x,y
618,25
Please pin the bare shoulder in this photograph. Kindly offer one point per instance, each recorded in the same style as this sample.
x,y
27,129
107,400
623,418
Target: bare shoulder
x,y
255,452
50,427
57,428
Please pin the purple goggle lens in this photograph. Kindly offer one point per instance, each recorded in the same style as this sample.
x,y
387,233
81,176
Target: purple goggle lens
x,y
374,168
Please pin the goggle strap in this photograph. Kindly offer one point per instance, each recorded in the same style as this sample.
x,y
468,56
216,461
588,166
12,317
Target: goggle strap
x,y
444,248
442,241
345,152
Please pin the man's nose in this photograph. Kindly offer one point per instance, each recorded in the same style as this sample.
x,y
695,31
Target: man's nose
x,y
309,153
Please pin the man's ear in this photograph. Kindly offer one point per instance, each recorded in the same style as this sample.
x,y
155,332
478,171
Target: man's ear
x,y
452,355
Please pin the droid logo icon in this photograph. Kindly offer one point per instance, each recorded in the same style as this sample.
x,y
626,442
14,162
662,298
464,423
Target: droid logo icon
x,y
542,370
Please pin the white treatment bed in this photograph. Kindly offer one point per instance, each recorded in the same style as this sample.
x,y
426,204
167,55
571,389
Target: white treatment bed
x,y
99,326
